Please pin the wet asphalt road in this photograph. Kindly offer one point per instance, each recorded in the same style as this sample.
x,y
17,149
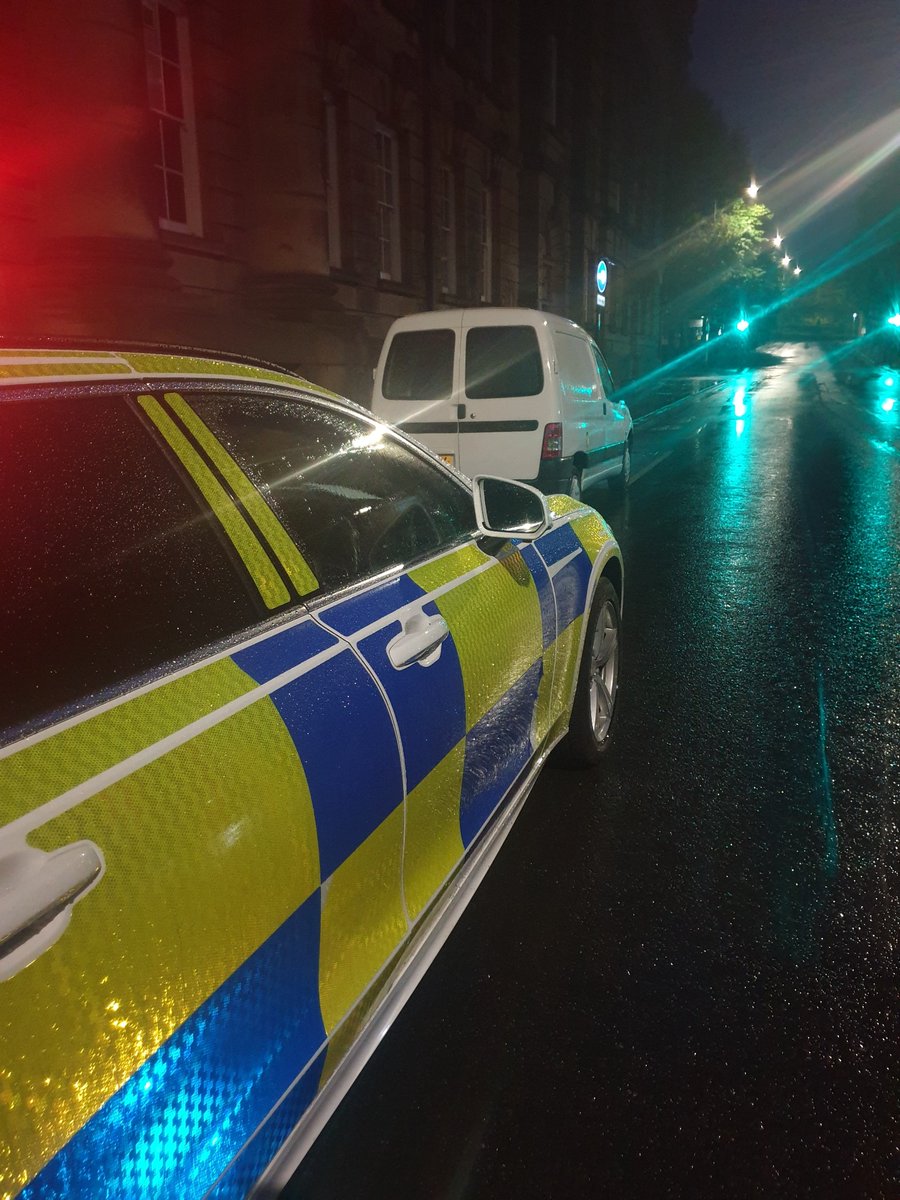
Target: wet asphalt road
x,y
679,978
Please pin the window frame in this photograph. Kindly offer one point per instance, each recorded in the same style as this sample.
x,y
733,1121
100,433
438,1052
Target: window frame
x,y
332,183
487,244
446,230
551,106
315,600
125,389
186,122
387,170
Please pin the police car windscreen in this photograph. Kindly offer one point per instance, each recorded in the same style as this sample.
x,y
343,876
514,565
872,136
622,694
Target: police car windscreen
x,y
503,360
420,365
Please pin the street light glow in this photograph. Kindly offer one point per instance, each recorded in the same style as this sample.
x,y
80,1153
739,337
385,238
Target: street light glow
x,y
743,325
777,240
796,270
894,320
753,189
786,261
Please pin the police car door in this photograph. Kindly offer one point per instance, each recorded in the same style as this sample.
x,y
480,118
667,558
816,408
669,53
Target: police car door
x,y
456,637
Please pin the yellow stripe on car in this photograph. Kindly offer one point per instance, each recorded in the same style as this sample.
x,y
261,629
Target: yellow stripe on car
x,y
354,948
37,367
592,531
433,842
295,565
262,571
491,662
169,364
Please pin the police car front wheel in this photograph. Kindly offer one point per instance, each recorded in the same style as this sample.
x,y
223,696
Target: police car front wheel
x,y
594,706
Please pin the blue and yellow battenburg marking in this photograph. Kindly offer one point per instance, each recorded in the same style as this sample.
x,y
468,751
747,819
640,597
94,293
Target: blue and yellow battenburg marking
x,y
210,998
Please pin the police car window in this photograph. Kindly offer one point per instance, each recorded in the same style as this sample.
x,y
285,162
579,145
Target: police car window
x,y
354,497
503,360
419,365
110,565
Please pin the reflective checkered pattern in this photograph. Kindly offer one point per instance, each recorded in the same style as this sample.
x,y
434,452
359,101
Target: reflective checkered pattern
x,y
274,824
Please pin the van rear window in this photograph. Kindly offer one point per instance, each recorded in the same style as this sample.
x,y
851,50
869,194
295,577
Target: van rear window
x,y
503,360
420,365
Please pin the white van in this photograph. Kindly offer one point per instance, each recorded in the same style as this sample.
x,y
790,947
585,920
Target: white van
x,y
506,391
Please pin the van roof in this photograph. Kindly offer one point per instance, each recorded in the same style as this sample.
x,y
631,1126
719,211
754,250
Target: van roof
x,y
464,318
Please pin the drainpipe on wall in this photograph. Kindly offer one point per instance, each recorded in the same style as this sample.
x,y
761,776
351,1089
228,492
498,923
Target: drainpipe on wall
x,y
427,27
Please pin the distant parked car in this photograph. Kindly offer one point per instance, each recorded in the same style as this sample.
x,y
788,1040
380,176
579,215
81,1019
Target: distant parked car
x,y
512,391
276,682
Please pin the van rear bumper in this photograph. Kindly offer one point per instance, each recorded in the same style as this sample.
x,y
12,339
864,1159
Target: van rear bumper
x,y
554,475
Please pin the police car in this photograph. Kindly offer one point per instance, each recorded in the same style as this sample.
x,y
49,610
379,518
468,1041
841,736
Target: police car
x,y
275,683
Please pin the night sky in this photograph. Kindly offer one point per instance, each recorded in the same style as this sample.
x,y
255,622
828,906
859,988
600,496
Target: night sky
x,y
814,85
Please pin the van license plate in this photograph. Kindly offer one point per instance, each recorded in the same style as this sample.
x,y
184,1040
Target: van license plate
x,y
449,459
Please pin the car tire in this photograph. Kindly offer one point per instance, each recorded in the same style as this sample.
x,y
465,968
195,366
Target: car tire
x,y
592,719
618,485
575,484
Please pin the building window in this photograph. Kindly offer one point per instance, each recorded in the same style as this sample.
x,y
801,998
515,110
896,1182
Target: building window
x,y
615,196
552,79
171,100
446,232
487,246
450,23
486,38
332,184
386,167
543,267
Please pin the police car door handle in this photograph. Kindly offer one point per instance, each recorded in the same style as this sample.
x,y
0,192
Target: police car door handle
x,y
37,892
420,642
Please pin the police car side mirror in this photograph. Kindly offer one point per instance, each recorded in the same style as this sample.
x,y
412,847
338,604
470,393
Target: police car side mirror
x,y
507,509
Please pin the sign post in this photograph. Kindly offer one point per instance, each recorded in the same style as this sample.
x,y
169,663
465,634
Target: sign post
x,y
602,279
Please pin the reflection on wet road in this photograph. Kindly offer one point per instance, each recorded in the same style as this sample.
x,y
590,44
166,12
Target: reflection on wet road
x,y
680,977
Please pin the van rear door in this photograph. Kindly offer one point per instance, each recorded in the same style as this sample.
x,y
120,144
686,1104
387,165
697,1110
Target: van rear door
x,y
416,385
504,394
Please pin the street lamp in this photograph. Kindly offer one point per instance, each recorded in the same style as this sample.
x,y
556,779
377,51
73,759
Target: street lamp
x,y
786,261
777,240
894,320
796,270
753,189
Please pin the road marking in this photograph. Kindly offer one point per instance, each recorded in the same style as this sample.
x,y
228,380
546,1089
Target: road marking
x,y
659,458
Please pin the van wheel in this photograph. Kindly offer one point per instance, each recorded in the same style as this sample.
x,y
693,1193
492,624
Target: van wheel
x,y
619,483
575,484
594,706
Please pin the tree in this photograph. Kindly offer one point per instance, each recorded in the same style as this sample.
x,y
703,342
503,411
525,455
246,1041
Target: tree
x,y
723,265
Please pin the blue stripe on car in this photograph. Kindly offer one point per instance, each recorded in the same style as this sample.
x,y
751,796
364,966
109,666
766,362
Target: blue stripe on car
x,y
283,650
349,616
497,749
545,592
429,703
349,753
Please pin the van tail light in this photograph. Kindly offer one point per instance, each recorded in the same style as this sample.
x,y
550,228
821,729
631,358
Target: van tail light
x,y
552,444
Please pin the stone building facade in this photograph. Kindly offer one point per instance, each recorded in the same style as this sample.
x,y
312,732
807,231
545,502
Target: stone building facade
x,y
284,179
